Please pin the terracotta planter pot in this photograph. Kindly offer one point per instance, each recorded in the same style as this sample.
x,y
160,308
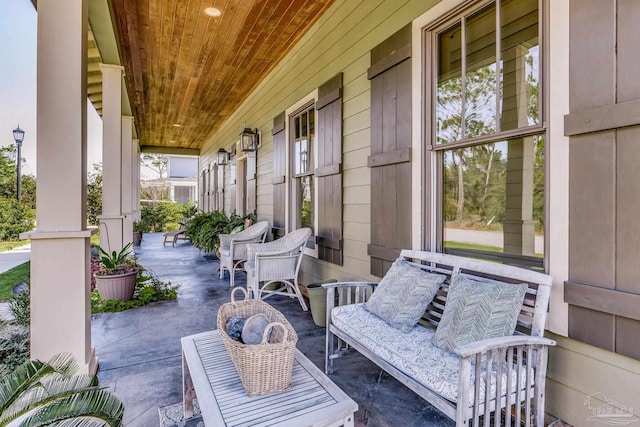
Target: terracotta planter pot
x,y
118,287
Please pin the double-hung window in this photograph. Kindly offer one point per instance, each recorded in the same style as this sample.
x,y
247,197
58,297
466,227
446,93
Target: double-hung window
x,y
487,132
302,142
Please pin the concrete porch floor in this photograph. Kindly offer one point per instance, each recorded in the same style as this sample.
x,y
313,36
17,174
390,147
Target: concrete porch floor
x,y
140,354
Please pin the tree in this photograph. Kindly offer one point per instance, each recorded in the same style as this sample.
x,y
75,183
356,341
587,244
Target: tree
x,y
94,194
8,178
157,163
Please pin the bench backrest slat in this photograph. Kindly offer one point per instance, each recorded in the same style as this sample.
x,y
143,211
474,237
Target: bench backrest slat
x,y
534,309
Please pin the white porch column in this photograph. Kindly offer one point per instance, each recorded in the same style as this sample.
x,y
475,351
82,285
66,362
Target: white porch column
x,y
127,180
111,220
60,266
135,170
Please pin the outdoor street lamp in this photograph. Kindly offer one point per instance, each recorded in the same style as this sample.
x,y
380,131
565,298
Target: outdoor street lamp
x,y
18,136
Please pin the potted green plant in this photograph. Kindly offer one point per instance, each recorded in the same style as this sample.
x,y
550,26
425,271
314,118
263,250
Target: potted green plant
x,y
116,278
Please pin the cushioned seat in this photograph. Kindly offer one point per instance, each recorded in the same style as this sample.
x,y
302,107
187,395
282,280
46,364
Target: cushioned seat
x,y
412,352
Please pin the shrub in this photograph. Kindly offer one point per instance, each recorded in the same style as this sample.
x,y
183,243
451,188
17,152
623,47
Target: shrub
x,y
162,216
189,210
94,194
20,308
204,228
14,345
15,218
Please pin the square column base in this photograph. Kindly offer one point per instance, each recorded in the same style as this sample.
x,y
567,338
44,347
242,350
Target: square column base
x,y
60,296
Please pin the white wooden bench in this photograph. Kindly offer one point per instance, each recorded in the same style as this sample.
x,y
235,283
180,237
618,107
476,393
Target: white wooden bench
x,y
517,387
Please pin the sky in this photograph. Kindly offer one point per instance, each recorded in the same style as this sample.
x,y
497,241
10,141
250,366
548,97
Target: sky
x,y
18,31
18,85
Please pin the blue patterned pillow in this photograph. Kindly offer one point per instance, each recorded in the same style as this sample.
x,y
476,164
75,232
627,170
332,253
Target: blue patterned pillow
x,y
403,294
478,309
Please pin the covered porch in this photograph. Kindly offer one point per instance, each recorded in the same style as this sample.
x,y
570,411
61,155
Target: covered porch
x,y
173,80
140,353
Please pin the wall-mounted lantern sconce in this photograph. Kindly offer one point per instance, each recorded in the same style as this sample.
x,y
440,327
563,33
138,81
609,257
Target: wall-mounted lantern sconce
x,y
223,157
249,139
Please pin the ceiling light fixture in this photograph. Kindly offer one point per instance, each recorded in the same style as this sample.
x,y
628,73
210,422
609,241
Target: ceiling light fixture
x,y
177,125
213,12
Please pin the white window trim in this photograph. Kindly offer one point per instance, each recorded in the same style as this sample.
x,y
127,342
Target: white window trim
x,y
418,201
240,156
313,96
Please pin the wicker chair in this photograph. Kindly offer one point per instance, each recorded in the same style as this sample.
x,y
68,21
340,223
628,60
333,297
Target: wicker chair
x,y
277,261
233,247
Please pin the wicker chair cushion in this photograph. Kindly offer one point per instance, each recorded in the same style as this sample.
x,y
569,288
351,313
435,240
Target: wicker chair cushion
x,y
478,309
403,294
413,353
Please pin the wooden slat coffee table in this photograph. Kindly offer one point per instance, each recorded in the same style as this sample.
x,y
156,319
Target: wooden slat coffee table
x,y
209,374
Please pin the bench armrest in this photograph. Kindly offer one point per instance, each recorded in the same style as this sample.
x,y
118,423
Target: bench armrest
x,y
500,342
347,284
344,293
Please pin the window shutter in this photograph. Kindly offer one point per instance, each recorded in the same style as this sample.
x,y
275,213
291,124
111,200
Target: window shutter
x,y
329,171
603,291
251,182
220,189
279,175
211,189
214,188
203,190
233,177
390,159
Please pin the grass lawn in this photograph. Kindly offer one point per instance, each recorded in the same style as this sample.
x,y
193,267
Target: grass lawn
x,y
7,246
11,278
460,245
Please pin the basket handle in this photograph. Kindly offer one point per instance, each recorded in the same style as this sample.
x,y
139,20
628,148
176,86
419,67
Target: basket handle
x,y
233,292
270,326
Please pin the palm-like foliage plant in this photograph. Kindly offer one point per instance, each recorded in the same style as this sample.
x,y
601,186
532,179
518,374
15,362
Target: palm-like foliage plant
x,y
52,393
116,262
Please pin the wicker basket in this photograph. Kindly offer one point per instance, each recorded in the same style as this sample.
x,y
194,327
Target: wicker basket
x,y
266,367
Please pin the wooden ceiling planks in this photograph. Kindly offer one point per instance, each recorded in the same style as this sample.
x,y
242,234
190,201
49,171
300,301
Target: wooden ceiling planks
x,y
188,72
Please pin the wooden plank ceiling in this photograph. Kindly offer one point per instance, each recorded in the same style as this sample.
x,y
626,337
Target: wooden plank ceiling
x,y
187,72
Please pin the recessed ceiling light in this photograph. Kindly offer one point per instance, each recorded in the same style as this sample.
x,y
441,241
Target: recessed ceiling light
x,y
213,12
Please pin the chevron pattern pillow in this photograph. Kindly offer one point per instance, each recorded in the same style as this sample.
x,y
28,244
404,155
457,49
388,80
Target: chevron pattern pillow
x,y
403,294
478,309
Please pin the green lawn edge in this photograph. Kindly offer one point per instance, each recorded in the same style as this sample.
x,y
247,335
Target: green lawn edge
x,y
8,245
12,277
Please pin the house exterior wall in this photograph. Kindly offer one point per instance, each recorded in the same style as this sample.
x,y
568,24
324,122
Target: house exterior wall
x,y
341,41
182,167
